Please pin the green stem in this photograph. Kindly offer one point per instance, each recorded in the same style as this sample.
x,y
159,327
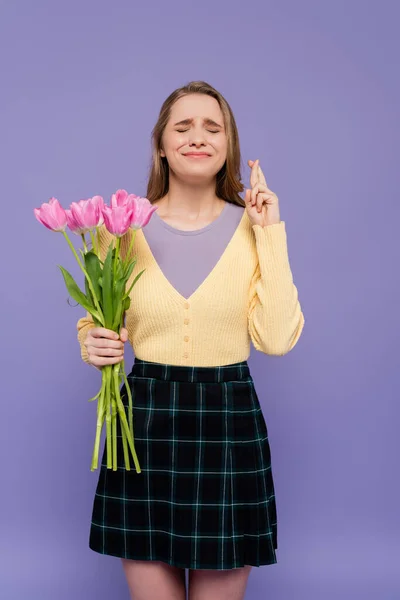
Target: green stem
x,y
93,241
117,247
124,423
114,422
127,386
130,247
128,391
97,237
125,447
108,417
87,277
99,424
84,242
116,369
125,427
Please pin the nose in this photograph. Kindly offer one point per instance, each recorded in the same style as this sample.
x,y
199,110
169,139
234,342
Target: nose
x,y
197,137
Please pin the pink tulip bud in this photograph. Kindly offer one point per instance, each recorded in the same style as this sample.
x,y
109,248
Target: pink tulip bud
x,y
98,200
119,198
122,198
117,219
52,215
141,213
73,225
87,214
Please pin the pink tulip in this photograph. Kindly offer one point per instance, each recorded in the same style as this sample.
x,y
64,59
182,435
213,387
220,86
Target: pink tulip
x,y
117,219
52,215
72,224
122,198
98,200
86,214
141,213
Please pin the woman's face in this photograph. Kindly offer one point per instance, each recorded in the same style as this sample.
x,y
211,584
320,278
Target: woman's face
x,y
194,140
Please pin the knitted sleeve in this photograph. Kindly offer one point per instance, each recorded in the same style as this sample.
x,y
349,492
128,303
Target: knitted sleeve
x,y
275,318
86,323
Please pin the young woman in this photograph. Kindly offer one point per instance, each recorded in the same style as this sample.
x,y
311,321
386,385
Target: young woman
x,y
217,276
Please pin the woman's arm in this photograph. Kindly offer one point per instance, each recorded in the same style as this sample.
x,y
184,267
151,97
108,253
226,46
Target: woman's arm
x,y
275,318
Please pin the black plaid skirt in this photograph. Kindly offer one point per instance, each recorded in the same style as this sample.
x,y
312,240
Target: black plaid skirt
x,y
205,497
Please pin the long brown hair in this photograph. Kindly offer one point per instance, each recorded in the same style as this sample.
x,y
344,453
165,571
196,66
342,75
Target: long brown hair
x,y
228,179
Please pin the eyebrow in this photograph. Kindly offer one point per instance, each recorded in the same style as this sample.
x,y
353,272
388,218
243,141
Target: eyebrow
x,y
207,121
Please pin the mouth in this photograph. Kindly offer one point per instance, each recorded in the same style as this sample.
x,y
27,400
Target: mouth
x,y
196,155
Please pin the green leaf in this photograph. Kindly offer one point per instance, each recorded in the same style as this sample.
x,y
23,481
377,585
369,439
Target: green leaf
x,y
107,289
128,266
133,283
128,269
75,292
93,268
89,294
96,322
127,303
96,396
120,272
118,302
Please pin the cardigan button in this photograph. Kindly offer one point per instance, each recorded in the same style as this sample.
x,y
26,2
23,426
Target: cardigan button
x,y
186,338
186,321
186,305
185,354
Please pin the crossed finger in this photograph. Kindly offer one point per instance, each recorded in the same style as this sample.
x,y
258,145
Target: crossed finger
x,y
260,195
261,177
256,175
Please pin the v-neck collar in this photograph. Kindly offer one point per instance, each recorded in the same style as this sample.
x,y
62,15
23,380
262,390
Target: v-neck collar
x,y
168,285
189,232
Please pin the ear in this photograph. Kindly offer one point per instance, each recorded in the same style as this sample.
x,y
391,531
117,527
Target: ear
x,y
162,153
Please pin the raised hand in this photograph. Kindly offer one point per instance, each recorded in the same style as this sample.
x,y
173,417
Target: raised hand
x,y
262,204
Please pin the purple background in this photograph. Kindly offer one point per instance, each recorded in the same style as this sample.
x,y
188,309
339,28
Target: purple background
x,y
315,90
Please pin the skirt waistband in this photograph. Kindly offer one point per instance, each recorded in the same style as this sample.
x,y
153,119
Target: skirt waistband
x,y
233,372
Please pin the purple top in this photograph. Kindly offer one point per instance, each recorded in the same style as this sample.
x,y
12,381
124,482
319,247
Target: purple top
x,y
187,257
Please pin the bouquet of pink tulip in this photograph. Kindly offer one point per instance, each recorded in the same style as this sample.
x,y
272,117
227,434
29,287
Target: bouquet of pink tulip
x,y
106,297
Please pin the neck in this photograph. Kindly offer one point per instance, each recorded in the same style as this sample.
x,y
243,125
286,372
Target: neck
x,y
191,198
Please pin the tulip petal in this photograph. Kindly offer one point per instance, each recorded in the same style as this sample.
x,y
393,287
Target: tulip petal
x,y
52,215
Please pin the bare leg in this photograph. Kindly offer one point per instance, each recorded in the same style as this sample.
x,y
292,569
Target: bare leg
x,y
224,584
148,580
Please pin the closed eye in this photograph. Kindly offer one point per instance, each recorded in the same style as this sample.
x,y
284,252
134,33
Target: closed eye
x,y
209,130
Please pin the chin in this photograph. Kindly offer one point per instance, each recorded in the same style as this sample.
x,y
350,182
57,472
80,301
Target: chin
x,y
196,173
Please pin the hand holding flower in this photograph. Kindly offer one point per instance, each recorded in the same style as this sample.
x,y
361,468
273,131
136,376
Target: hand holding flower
x,y
104,346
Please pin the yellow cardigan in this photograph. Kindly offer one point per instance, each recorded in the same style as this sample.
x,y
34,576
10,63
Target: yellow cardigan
x,y
249,295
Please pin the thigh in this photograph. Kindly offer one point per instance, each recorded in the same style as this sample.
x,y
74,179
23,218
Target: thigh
x,y
149,579
212,584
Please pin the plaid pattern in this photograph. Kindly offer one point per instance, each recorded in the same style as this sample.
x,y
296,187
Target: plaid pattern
x,y
205,497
